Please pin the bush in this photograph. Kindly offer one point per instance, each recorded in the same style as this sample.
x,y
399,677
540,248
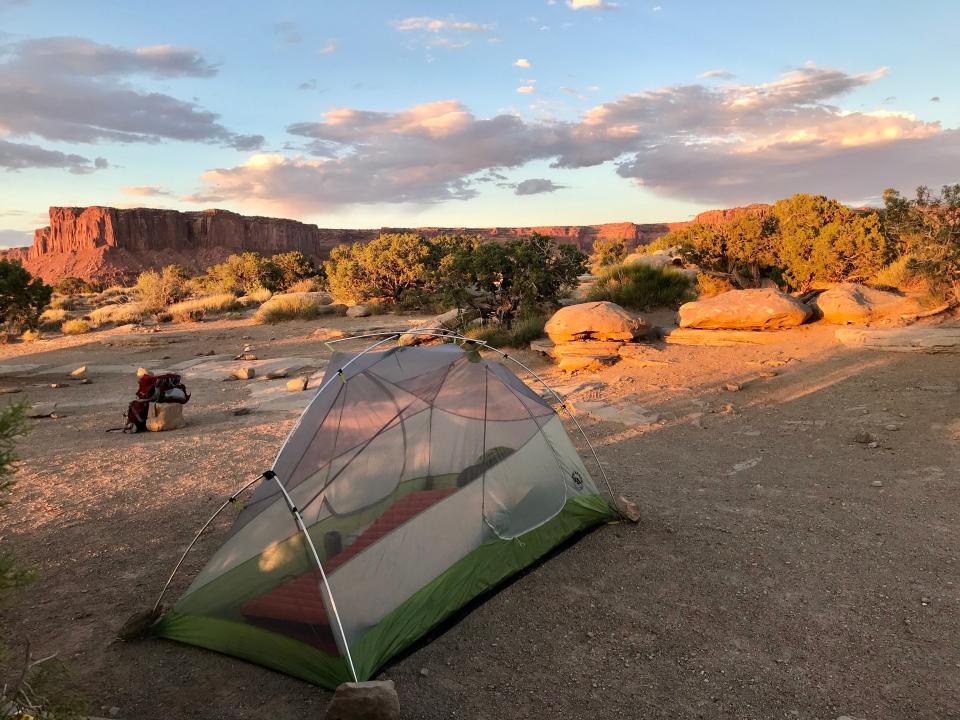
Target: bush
x,y
240,274
901,274
608,252
641,287
518,335
710,285
385,267
157,290
75,327
310,284
22,296
76,286
53,316
291,269
198,308
291,306
121,313
30,336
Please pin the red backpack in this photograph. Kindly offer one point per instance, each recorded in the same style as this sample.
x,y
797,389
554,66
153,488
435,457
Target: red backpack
x,y
166,388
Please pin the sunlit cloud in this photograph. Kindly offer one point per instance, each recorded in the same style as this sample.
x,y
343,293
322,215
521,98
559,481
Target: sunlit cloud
x,y
591,4
144,190
522,63
329,48
436,25
526,89
719,74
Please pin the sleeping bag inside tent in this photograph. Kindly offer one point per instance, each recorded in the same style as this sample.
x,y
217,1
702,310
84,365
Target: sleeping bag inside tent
x,y
424,477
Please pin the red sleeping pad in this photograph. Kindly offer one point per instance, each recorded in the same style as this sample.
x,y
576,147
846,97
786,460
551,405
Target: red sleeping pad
x,y
299,601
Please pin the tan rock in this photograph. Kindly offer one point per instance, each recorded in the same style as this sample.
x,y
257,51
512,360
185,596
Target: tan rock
x,y
165,416
370,700
852,303
544,346
358,311
722,338
79,372
628,509
912,339
298,384
594,321
588,348
576,363
245,373
757,309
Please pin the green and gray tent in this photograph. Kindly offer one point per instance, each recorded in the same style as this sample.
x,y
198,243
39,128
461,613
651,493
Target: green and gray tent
x,y
417,479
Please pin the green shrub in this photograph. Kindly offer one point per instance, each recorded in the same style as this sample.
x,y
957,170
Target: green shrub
x,y
198,308
157,290
76,286
240,274
22,296
75,327
710,285
292,270
291,306
641,287
607,251
384,267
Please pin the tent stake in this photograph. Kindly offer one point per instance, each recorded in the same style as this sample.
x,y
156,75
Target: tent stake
x,y
271,475
197,537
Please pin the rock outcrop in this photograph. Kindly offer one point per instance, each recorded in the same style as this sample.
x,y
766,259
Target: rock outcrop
x,y
852,303
757,309
594,321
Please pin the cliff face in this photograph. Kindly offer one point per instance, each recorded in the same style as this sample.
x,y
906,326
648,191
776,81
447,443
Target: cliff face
x,y
115,245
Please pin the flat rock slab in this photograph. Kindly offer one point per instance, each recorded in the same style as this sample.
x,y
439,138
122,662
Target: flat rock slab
x,y
726,338
914,339
22,369
219,369
623,414
274,395
107,369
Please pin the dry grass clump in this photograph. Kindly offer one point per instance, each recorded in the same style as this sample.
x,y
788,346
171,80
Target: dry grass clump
x,y
198,308
53,315
710,285
122,313
311,284
75,327
288,306
254,297
30,335
900,275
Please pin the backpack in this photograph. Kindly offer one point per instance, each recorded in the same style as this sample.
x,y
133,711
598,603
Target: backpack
x,y
166,388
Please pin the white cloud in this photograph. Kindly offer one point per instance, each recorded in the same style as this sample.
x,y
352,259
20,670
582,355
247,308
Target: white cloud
x,y
522,63
591,4
329,48
144,190
718,73
526,89
430,24
725,145
535,186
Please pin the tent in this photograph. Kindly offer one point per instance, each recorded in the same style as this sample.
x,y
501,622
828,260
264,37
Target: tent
x,y
417,479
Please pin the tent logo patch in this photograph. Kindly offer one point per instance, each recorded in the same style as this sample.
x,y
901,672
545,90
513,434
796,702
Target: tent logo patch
x,y
577,478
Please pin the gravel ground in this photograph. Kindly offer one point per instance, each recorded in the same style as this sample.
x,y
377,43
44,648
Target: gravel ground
x,y
781,569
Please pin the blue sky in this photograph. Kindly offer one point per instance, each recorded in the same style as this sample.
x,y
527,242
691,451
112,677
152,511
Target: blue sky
x,y
424,113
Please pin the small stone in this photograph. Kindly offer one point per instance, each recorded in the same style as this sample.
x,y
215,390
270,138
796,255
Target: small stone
x,y
891,427
164,357
42,410
863,437
873,445
425,672
590,634
245,356
298,384
86,381
114,711
246,337
877,483
358,311
628,509
247,348
245,373
10,391
57,386
79,372
925,601
768,374
242,411
276,375
371,700
733,387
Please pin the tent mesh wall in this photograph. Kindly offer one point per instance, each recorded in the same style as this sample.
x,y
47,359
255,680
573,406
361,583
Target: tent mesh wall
x,y
426,477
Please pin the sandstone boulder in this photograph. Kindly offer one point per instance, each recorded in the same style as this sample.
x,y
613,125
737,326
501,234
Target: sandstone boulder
x,y
371,700
757,309
594,321
245,373
586,354
298,384
852,303
358,311
165,416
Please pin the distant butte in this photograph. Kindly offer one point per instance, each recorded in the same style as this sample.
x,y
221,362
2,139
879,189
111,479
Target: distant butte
x,y
114,245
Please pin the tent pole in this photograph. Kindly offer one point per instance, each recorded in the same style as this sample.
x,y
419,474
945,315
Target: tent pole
x,y
442,333
196,537
270,475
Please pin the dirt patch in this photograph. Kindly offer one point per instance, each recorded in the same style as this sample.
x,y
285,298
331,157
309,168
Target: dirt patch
x,y
782,569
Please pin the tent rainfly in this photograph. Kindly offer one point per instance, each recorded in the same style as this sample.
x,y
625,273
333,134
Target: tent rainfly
x,y
417,479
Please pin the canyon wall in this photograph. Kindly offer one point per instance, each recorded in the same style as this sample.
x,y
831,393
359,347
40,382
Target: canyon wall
x,y
114,245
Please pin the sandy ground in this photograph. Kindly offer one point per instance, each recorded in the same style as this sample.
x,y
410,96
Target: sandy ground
x,y
781,570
